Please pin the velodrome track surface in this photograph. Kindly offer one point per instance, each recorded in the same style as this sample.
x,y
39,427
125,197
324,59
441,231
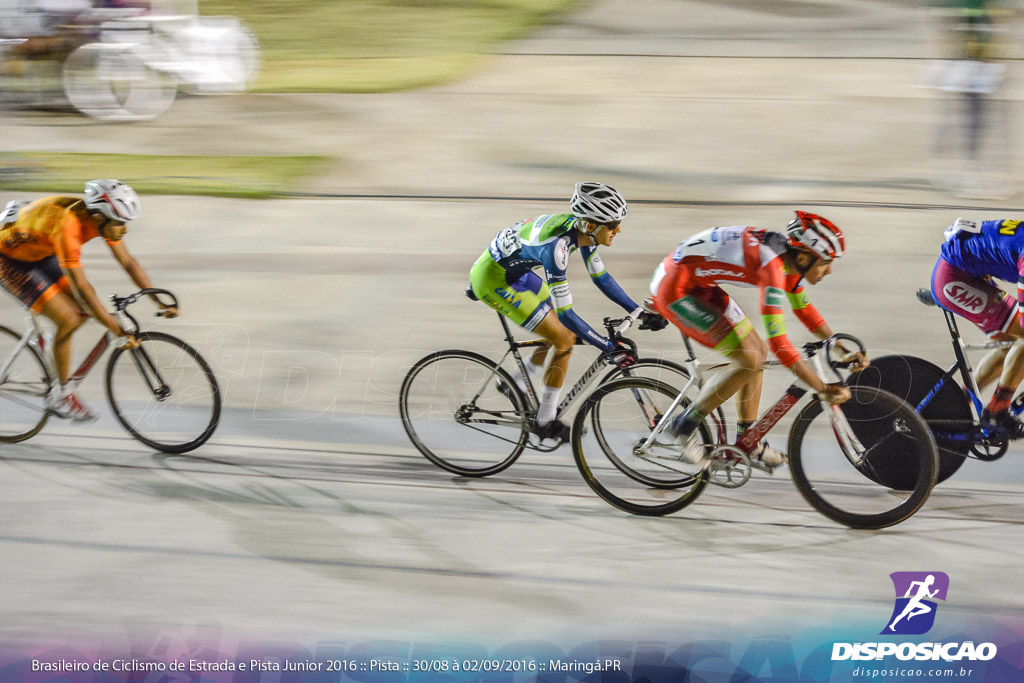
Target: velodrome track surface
x,y
310,516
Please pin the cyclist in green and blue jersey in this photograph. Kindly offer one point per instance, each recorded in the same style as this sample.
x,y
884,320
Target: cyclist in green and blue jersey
x,y
503,278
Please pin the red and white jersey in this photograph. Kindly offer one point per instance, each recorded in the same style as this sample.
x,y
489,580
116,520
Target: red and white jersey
x,y
744,256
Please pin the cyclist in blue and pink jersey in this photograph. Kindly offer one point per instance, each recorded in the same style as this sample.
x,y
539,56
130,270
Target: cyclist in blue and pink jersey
x,y
503,278
686,290
962,283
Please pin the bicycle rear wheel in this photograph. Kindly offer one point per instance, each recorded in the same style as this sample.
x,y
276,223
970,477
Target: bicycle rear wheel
x,y
846,488
607,433
672,374
113,82
912,379
23,387
164,393
456,415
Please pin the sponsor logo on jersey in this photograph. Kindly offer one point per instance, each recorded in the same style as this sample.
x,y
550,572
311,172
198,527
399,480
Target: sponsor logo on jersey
x,y
693,313
773,297
562,255
509,296
713,272
1008,227
966,297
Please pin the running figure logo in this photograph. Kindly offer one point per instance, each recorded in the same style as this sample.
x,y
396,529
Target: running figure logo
x,y
914,612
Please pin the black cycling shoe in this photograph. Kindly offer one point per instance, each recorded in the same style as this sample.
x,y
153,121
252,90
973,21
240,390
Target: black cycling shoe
x,y
1002,424
552,430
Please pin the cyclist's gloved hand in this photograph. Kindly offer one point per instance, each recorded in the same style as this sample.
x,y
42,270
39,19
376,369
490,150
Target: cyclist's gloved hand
x,y
857,360
623,356
835,394
126,341
652,321
167,311
517,266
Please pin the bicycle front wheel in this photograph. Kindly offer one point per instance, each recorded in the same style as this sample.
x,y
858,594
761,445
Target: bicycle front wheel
x,y
164,393
607,439
464,413
842,482
23,386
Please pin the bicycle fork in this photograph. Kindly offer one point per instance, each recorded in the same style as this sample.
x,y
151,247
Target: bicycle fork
x,y
852,448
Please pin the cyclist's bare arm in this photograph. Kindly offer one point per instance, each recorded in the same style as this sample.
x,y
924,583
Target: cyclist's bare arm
x,y
139,276
83,289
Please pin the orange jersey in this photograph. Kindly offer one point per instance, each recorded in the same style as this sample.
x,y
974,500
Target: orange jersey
x,y
57,225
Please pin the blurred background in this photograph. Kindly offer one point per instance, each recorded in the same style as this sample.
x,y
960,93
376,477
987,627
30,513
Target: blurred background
x,y
319,161
318,177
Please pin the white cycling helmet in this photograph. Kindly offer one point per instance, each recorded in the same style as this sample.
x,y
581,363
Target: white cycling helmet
x,y
113,199
598,203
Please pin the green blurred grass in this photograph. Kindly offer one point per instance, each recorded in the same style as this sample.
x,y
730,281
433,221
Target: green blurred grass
x,y
379,45
252,177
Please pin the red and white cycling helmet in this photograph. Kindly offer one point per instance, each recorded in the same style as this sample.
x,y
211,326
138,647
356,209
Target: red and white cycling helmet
x,y
113,199
598,203
815,234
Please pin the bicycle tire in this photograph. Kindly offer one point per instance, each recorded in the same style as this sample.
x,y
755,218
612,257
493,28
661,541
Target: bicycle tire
x,y
842,491
114,82
139,406
627,429
912,379
509,421
23,389
664,370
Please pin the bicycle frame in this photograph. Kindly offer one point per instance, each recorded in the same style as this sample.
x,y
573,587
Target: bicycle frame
x,y
963,365
852,448
579,389
35,334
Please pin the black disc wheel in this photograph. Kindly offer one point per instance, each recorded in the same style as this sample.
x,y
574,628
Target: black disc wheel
x,y
947,412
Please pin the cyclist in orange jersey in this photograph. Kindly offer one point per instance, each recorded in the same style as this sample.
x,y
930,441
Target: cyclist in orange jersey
x,y
686,291
40,263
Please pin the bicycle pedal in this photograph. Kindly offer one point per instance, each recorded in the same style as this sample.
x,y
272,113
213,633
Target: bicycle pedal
x,y
764,467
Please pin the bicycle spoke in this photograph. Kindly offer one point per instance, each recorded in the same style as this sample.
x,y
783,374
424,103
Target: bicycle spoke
x,y
457,417
23,389
166,396
608,444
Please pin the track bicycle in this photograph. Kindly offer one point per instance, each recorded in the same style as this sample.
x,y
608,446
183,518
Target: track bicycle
x,y
952,410
837,454
466,415
163,392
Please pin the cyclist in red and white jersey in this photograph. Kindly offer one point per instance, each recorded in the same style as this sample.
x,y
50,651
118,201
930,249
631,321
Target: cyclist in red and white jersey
x,y
686,291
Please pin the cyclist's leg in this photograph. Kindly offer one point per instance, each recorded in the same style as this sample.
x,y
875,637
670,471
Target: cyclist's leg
x,y
561,339
993,311
748,399
708,316
527,302
68,316
43,288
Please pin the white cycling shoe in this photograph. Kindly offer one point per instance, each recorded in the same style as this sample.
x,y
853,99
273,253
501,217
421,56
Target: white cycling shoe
x,y
771,457
64,403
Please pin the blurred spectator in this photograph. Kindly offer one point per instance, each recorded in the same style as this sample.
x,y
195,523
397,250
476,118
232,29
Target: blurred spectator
x,y
970,72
